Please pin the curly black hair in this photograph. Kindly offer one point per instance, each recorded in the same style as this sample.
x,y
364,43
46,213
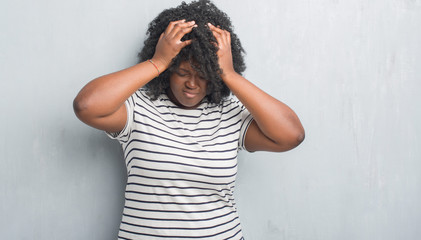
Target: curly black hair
x,y
201,53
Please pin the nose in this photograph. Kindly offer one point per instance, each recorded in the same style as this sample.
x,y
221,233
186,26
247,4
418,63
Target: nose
x,y
192,82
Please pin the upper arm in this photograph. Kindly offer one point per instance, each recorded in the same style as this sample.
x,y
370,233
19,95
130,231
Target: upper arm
x,y
114,122
255,140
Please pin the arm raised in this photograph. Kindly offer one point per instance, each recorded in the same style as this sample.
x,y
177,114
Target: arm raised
x,y
100,103
276,127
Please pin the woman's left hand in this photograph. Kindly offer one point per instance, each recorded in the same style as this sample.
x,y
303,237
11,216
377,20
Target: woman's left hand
x,y
223,38
275,126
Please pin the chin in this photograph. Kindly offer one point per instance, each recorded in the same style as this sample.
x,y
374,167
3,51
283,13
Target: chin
x,y
189,104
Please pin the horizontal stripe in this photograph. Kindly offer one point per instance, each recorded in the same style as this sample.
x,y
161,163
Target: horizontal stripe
x,y
183,127
180,155
175,236
176,203
176,211
184,172
180,228
159,130
177,117
230,237
202,110
179,195
180,148
178,187
180,220
180,163
180,179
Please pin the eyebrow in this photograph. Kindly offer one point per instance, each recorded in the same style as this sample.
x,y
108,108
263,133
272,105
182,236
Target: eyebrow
x,y
182,69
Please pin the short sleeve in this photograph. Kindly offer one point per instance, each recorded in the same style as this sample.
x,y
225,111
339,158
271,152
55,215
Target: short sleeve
x,y
124,134
246,119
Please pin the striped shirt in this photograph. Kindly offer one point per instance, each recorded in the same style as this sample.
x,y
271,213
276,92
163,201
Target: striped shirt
x,y
181,167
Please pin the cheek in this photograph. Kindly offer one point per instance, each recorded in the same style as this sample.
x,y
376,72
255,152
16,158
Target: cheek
x,y
175,83
204,85
207,90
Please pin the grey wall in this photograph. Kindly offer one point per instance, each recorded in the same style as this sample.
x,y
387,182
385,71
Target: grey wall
x,y
350,69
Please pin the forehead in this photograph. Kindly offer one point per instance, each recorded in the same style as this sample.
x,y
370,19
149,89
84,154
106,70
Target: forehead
x,y
185,66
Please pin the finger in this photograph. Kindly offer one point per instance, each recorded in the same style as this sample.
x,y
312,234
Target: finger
x,y
184,31
215,29
218,38
172,24
223,36
185,43
217,32
226,37
179,28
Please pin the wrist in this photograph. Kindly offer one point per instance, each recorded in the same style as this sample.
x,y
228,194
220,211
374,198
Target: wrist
x,y
227,75
160,65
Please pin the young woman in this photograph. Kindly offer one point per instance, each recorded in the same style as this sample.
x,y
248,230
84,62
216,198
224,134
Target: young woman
x,y
180,128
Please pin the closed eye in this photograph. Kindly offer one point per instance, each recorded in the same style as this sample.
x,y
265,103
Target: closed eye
x,y
182,73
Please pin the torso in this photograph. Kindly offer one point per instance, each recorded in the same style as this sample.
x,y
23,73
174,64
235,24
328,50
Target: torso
x,y
182,166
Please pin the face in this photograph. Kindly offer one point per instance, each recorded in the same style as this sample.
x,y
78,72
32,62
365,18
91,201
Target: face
x,y
187,87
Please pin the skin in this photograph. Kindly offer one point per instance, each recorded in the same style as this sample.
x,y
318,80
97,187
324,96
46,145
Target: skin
x,y
187,87
100,103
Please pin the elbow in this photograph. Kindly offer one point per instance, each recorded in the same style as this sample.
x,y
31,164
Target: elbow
x,y
292,141
293,135
80,106
297,136
300,137
296,140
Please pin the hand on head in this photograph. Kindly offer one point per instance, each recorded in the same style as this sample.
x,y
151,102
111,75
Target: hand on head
x,y
170,44
223,38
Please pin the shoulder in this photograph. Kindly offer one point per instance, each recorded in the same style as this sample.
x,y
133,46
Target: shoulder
x,y
141,94
142,97
228,108
231,103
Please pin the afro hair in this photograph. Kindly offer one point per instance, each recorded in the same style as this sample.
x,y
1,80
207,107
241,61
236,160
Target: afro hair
x,y
201,53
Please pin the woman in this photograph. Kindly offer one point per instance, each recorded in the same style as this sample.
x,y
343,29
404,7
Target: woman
x,y
181,130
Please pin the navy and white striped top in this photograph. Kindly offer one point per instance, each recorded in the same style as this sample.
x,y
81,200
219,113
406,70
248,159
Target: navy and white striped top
x,y
181,167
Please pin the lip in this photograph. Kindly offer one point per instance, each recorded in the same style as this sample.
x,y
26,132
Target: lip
x,y
190,94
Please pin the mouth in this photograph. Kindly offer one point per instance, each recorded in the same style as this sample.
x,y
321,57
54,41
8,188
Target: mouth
x,y
190,94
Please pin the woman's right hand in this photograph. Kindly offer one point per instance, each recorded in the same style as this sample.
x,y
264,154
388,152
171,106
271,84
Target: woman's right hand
x,y
100,103
170,44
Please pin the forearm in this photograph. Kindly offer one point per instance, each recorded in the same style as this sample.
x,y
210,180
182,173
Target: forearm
x,y
275,119
104,95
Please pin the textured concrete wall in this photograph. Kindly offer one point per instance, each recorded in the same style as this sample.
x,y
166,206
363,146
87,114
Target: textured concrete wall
x,y
350,69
